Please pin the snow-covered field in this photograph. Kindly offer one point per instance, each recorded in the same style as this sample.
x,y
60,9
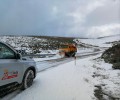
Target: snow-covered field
x,y
101,42
72,81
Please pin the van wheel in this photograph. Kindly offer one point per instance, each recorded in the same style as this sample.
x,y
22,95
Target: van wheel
x,y
28,79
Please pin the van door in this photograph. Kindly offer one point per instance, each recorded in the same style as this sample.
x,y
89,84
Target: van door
x,y
9,66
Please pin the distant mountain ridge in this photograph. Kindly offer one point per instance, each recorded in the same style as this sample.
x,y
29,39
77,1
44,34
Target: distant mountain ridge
x,y
109,36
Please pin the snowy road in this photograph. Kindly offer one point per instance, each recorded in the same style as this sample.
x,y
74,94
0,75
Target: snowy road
x,y
65,82
43,65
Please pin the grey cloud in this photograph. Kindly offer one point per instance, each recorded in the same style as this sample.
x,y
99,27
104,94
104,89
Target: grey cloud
x,y
110,13
51,17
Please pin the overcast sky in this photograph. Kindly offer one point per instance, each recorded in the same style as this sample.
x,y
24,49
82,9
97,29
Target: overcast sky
x,y
80,18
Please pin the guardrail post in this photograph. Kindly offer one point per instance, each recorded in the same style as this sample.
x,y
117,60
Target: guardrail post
x,y
75,60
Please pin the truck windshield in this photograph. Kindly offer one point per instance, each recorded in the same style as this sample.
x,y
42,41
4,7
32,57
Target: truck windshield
x,y
64,46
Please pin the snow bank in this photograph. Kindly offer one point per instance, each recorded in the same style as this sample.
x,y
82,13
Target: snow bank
x,y
84,50
57,56
48,52
108,78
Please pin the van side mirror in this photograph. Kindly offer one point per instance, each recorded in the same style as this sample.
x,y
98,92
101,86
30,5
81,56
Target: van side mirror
x,y
18,56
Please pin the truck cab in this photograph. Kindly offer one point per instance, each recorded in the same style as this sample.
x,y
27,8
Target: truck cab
x,y
68,50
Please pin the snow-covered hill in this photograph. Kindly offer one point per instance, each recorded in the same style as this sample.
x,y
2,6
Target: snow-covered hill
x,y
30,44
42,44
101,42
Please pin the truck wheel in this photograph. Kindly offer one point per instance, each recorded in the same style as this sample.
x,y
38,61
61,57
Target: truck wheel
x,y
28,79
67,54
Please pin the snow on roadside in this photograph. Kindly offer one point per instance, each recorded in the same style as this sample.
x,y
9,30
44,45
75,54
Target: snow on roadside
x,y
47,58
84,50
48,52
108,78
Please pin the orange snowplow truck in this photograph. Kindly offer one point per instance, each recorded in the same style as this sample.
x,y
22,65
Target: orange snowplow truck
x,y
67,50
